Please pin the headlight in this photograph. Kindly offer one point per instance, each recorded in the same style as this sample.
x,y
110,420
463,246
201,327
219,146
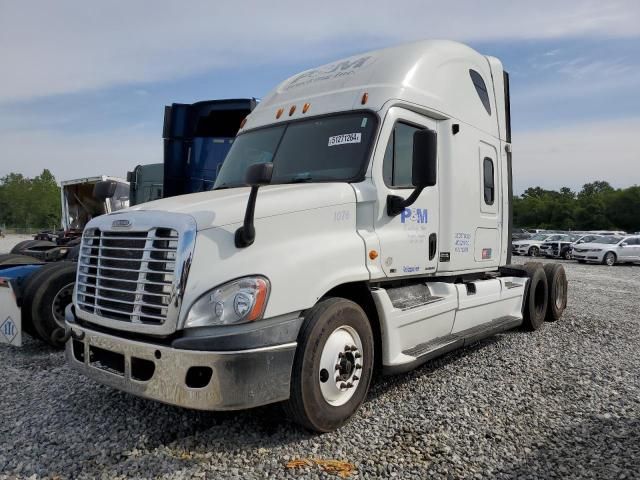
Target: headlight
x,y
240,301
523,245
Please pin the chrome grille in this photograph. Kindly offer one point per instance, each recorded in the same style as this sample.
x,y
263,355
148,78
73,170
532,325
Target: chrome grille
x,y
127,276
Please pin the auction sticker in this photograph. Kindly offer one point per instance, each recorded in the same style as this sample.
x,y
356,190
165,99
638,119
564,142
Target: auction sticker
x,y
345,138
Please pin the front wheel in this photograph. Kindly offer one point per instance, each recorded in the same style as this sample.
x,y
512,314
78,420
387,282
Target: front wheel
x,y
534,251
332,367
609,259
566,254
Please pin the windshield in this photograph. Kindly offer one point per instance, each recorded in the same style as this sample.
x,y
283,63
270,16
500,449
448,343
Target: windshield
x,y
120,198
324,149
609,240
539,236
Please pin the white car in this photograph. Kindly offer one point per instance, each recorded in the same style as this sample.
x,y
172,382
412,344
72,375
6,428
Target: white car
x,y
609,250
531,246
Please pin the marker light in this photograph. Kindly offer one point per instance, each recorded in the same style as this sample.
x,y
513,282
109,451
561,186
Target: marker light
x,y
306,107
292,109
279,112
365,97
373,254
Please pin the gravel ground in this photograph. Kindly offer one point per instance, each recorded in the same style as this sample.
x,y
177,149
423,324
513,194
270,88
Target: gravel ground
x,y
563,402
9,240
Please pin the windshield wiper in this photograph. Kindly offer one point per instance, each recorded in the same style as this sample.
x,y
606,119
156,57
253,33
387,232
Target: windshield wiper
x,y
224,186
300,180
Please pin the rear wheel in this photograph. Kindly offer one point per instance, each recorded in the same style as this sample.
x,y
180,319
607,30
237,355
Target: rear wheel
x,y
609,259
47,294
535,303
557,284
17,259
333,365
17,248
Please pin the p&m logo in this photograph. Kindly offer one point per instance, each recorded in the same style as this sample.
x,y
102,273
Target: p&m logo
x,y
414,215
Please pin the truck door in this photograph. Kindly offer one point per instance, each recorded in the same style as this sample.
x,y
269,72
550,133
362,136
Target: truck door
x,y
408,241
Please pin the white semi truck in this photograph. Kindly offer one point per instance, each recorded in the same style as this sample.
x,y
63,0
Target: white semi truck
x,y
361,220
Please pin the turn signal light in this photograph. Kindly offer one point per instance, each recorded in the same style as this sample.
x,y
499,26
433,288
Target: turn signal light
x,y
279,112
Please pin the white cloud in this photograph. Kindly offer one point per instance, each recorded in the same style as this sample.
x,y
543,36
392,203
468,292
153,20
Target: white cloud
x,y
578,154
68,46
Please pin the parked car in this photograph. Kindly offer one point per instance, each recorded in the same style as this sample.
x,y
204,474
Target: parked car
x,y
531,245
520,234
579,240
558,246
609,250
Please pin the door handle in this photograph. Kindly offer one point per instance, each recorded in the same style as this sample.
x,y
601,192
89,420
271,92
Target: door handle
x,y
433,243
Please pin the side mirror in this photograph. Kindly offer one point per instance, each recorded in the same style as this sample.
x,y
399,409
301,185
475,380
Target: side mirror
x,y
257,175
425,152
624,244
104,189
424,170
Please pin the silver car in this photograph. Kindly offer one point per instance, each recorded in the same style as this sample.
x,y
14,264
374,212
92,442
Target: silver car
x,y
609,250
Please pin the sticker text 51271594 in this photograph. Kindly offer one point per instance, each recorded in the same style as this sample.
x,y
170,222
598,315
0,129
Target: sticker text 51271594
x,y
345,138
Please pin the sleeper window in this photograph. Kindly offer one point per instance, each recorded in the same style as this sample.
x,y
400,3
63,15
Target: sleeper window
x,y
489,182
398,157
481,89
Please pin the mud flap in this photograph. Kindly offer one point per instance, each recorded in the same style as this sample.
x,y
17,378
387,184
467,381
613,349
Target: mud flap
x,y
10,318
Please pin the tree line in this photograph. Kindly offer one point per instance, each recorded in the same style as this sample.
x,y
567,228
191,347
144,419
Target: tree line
x,y
598,206
35,203
29,203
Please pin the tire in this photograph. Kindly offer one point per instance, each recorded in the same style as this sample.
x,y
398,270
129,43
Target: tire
x,y
609,259
557,291
17,259
537,296
566,254
324,405
18,247
533,251
47,293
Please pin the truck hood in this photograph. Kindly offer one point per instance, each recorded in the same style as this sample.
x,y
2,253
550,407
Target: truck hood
x,y
223,207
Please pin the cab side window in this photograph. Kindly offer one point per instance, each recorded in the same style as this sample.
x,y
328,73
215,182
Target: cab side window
x,y
398,157
489,181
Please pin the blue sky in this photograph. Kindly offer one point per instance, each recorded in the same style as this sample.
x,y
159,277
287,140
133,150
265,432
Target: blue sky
x,y
85,86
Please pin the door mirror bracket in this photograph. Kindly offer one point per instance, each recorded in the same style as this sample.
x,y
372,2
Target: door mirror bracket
x,y
257,175
423,170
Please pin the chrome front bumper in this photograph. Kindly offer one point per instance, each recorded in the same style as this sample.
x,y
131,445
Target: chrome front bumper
x,y
237,380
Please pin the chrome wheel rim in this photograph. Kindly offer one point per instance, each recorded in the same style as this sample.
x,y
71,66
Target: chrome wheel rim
x,y
63,298
341,365
609,259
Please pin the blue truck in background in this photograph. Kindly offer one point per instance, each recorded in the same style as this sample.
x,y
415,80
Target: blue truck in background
x,y
36,287
197,138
